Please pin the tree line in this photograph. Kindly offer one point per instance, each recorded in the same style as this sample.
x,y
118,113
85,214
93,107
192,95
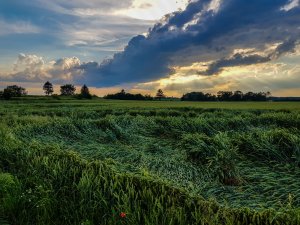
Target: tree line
x,y
65,90
128,96
226,96
122,95
70,89
196,96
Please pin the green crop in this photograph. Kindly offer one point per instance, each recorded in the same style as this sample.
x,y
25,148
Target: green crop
x,y
86,162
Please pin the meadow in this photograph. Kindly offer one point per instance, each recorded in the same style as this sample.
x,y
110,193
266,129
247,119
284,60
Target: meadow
x,y
88,161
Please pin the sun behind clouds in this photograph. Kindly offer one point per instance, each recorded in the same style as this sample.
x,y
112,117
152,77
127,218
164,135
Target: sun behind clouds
x,y
152,9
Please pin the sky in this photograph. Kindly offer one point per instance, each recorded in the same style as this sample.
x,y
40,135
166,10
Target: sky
x,y
143,45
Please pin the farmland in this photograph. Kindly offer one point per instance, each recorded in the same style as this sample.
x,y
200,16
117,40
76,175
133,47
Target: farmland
x,y
86,161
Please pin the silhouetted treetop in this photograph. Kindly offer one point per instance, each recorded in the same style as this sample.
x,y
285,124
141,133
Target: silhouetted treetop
x,y
160,94
226,96
48,88
67,89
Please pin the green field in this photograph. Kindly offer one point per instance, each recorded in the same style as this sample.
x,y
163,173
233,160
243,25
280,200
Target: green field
x,y
86,161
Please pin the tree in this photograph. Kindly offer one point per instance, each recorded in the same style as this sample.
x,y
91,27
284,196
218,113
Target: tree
x,y
160,94
85,92
123,92
237,96
148,97
249,96
127,96
67,89
198,96
7,94
15,91
48,88
225,95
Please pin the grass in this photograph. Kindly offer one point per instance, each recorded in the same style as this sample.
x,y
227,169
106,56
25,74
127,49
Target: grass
x,y
84,162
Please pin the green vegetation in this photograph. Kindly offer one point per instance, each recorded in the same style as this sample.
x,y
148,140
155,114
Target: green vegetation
x,y
226,96
12,91
87,161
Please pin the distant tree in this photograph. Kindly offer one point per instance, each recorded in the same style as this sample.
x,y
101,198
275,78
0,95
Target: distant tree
x,y
123,92
193,96
160,94
237,96
210,97
198,96
48,88
261,96
138,97
67,90
127,96
85,92
225,95
148,97
249,96
13,91
7,94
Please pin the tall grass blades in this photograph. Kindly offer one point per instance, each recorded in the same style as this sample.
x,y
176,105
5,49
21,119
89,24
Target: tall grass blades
x,y
109,162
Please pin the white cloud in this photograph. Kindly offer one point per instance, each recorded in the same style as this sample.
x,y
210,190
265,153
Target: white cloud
x,y
17,27
151,9
32,68
83,8
292,4
102,33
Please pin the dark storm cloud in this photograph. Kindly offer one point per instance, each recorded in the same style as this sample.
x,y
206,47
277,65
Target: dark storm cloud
x,y
239,59
217,30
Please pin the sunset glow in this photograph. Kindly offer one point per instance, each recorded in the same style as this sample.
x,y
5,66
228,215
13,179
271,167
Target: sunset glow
x,y
110,45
